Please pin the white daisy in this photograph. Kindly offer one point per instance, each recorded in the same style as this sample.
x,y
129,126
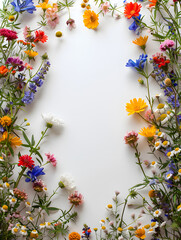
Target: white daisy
x,y
14,230
153,164
52,120
165,143
158,144
67,182
157,213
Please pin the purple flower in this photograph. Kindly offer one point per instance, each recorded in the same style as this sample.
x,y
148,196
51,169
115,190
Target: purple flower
x,y
139,64
135,24
28,97
32,87
16,62
171,100
34,173
23,5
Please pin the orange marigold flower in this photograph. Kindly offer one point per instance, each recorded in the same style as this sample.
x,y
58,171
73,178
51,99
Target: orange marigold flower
x,y
14,141
136,106
90,19
5,121
140,233
3,71
148,132
45,5
132,10
141,41
74,236
153,3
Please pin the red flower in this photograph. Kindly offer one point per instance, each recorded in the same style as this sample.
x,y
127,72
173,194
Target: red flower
x,y
40,36
132,10
26,161
160,60
9,34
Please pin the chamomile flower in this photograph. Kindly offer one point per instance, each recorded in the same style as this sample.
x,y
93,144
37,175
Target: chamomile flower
x,y
6,185
45,189
161,108
168,175
176,178
165,143
48,225
170,154
42,225
109,207
12,201
18,225
177,150
179,208
154,224
157,213
147,226
52,120
23,227
153,164
30,219
160,134
158,144
102,221
28,204
14,230
23,232
151,231
4,208
179,172
28,212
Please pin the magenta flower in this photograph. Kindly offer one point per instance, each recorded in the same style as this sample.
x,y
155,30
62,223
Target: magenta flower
x,y
9,34
167,44
76,198
51,159
131,138
70,23
16,62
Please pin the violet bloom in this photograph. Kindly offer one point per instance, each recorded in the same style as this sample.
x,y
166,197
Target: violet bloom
x,y
16,62
51,159
25,5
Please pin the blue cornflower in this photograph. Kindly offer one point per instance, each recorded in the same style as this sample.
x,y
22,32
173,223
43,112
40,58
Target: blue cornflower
x,y
28,97
139,64
171,100
23,5
34,173
135,24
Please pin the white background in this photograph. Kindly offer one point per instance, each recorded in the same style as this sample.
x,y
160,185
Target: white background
x,y
88,87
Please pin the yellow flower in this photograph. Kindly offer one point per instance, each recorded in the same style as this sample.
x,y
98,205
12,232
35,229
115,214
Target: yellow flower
x,y
140,233
90,19
95,229
148,132
5,121
141,41
74,236
136,106
147,226
14,141
31,53
151,193
120,229
103,227
45,5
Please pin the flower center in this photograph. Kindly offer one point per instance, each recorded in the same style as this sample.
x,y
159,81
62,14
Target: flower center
x,y
132,12
93,18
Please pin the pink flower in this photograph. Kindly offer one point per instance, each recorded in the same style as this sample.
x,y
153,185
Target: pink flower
x,y
71,23
28,66
28,35
52,16
131,138
76,198
105,7
167,44
9,34
51,159
149,116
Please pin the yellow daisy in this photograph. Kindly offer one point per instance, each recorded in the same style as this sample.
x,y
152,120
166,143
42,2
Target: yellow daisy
x,y
90,19
148,132
136,106
31,54
141,41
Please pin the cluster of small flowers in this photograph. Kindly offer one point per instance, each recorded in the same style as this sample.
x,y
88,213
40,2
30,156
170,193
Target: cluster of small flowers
x,y
167,44
37,81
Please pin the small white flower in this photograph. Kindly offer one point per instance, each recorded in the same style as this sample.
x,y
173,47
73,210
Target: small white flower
x,y
153,164
157,213
4,208
158,144
28,204
28,212
12,201
179,208
170,154
48,225
160,134
30,219
168,176
158,95
45,189
23,232
42,225
52,120
14,230
151,231
23,228
67,182
165,143
176,150
6,185
161,108
179,172
154,224
109,207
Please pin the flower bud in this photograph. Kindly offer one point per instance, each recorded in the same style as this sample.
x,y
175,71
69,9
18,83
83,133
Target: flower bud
x,y
58,34
168,82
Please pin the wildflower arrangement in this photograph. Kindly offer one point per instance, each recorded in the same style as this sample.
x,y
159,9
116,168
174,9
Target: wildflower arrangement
x,y
24,214
25,217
